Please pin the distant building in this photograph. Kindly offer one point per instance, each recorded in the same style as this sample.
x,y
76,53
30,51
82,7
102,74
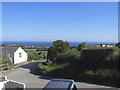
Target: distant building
x,y
104,45
110,45
15,54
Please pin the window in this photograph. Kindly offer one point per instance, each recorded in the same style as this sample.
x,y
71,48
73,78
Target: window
x,y
20,54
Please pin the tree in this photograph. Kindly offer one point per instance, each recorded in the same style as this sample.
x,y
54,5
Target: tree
x,y
82,45
61,46
58,46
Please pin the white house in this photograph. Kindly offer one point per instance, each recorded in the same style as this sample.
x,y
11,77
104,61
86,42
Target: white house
x,y
15,54
104,45
110,45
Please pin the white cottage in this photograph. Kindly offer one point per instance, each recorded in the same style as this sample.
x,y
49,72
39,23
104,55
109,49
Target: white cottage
x,y
15,54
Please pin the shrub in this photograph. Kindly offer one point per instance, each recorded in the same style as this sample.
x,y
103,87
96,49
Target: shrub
x,y
72,56
93,58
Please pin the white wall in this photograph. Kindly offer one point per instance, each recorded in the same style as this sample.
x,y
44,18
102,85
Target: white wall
x,y
17,58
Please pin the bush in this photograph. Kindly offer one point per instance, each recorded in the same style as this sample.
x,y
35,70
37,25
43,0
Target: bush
x,y
93,59
72,56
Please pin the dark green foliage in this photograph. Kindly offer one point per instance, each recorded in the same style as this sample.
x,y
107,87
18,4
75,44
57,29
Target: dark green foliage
x,y
94,59
51,53
103,76
82,46
36,56
61,46
71,55
118,44
58,46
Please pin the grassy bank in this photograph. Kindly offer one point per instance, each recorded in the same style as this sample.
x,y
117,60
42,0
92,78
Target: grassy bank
x,y
46,69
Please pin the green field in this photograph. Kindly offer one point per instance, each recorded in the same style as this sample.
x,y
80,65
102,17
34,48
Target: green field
x,y
32,51
36,55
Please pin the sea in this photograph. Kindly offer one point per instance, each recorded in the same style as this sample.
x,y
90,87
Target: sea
x,y
48,44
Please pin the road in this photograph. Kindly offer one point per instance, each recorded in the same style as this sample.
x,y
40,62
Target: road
x,y
26,74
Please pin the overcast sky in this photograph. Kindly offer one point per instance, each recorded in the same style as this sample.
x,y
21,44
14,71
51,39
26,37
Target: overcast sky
x,y
68,21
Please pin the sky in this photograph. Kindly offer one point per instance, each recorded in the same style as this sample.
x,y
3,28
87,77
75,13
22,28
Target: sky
x,y
68,21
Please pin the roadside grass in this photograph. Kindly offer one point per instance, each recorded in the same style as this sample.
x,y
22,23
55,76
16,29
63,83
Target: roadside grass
x,y
46,69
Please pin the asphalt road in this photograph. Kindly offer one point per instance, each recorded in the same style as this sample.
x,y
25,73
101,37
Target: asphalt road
x,y
26,74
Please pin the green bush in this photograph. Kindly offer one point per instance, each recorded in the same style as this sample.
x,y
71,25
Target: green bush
x,y
34,55
93,59
71,55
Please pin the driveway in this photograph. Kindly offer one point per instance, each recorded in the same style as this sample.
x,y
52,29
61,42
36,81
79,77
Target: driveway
x,y
26,74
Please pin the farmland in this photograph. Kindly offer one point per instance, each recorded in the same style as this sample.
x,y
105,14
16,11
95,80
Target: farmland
x,y
32,51
33,54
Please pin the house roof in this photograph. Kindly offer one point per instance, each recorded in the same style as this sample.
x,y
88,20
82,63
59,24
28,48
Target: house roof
x,y
9,50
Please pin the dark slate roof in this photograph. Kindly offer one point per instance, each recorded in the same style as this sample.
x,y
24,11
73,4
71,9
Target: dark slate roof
x,y
9,50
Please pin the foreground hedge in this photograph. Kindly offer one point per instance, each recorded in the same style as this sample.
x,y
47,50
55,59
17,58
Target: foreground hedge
x,y
94,59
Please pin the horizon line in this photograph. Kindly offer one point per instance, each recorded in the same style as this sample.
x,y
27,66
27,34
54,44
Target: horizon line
x,y
64,40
